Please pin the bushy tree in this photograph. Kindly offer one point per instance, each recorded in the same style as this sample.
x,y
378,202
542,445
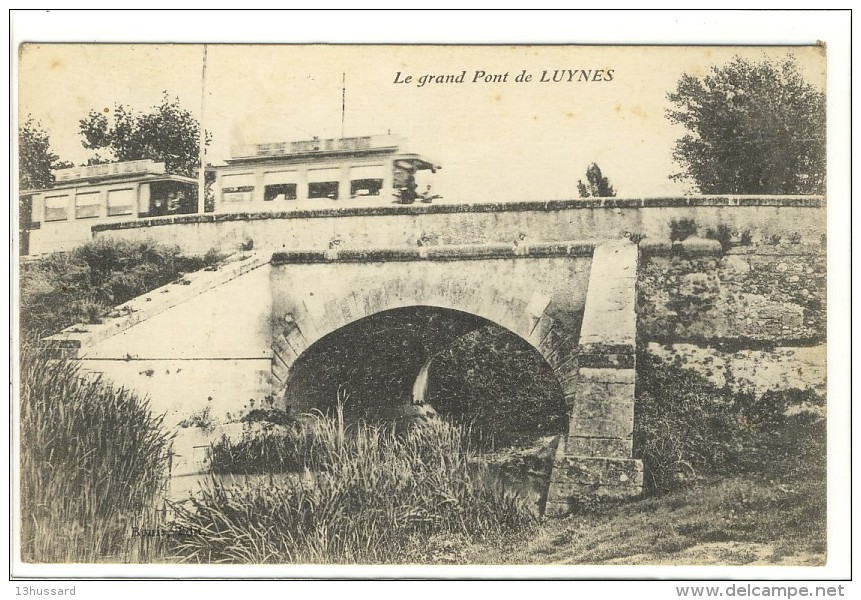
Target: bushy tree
x,y
596,185
752,128
36,159
167,133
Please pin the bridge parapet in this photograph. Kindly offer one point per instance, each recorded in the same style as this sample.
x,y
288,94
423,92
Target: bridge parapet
x,y
456,223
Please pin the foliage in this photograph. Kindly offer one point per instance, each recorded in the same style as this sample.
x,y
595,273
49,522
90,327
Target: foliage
x,y
36,159
685,427
486,376
596,186
752,128
500,385
199,419
168,134
367,495
93,458
681,229
723,234
62,289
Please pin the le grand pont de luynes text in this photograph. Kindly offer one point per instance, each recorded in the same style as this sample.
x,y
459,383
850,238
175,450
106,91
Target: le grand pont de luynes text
x,y
523,76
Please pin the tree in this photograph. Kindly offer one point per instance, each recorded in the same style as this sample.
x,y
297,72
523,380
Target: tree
x,y
753,128
36,160
168,134
597,185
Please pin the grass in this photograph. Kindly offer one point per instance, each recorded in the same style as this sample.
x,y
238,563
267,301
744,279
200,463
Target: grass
x,y
93,460
364,494
93,457
731,521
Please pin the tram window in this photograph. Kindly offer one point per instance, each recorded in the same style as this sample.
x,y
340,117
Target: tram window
x,y
279,191
121,202
365,187
237,187
323,189
87,206
56,208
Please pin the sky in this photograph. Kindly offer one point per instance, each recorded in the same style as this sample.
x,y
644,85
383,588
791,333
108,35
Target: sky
x,y
497,139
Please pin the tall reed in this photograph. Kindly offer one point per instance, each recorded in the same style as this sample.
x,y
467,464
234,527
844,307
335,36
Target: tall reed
x,y
367,494
93,460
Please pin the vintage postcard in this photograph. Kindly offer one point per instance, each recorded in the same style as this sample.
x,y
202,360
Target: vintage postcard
x,y
346,306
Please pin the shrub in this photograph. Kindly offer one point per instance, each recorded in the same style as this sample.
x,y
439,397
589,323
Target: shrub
x,y
200,419
93,459
723,234
501,386
685,427
681,229
62,289
365,494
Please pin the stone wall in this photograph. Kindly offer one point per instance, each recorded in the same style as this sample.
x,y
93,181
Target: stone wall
x,y
752,317
766,294
423,225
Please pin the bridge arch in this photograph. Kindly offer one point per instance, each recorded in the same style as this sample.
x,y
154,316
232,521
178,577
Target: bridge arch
x,y
309,320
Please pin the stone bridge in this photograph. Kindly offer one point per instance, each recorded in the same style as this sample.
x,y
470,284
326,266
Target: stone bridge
x,y
563,278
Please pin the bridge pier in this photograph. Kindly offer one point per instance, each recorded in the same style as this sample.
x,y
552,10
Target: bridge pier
x,y
595,458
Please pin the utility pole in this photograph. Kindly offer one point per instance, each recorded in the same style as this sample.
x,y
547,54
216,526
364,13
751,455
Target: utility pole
x,y
343,100
201,174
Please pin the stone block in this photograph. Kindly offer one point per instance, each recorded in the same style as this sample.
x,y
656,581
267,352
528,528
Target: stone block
x,y
334,317
373,301
600,392
540,330
569,383
592,374
602,418
348,310
597,471
296,340
598,447
281,347
607,360
655,247
562,352
601,426
591,477
391,292
695,246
